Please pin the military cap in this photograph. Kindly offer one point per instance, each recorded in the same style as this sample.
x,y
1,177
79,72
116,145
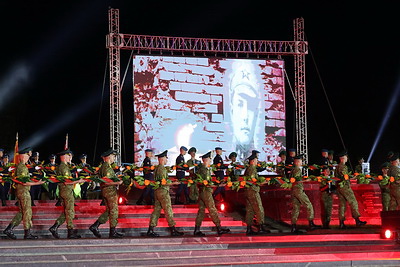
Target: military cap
x,y
390,153
301,156
184,148
64,152
6,155
282,152
324,150
255,152
253,156
35,154
109,152
163,154
148,150
25,150
233,154
207,155
291,150
385,165
342,154
331,152
192,149
394,157
1,149
218,148
360,158
83,156
52,156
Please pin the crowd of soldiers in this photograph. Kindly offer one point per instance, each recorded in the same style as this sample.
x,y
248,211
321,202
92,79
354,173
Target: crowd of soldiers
x,y
203,193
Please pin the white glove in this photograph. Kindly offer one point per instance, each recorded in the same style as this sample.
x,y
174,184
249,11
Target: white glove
x,y
79,170
30,174
121,168
191,168
37,168
11,169
230,166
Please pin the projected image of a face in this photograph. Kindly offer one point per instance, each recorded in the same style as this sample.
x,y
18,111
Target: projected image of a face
x,y
236,104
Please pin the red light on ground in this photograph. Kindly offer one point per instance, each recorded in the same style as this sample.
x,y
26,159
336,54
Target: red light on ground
x,y
222,207
120,200
388,234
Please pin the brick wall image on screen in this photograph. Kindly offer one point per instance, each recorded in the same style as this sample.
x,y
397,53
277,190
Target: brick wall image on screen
x,y
236,104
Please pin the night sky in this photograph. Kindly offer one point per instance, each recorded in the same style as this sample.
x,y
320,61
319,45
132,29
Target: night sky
x,y
54,57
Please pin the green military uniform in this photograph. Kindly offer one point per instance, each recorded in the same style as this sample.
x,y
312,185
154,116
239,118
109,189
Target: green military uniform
x,y
253,200
66,192
345,194
299,197
24,200
193,189
394,171
385,195
110,195
327,189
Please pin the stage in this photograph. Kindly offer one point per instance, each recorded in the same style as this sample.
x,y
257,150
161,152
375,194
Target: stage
x,y
352,247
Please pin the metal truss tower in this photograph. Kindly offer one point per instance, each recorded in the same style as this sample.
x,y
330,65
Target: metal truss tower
x,y
205,46
113,45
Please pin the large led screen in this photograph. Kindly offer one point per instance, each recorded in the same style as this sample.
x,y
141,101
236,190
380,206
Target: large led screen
x,y
236,104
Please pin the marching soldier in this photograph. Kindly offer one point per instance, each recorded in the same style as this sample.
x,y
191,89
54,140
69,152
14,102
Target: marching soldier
x,y
327,190
5,186
289,162
36,190
109,192
24,199
193,168
385,188
147,175
394,171
253,200
280,167
324,161
233,170
180,176
51,171
162,199
345,193
299,197
358,167
206,199
256,153
66,192
219,173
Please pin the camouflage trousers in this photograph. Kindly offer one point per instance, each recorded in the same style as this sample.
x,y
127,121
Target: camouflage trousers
x,y
193,192
326,206
394,196
253,207
25,209
66,193
299,198
162,200
386,199
346,194
110,196
206,200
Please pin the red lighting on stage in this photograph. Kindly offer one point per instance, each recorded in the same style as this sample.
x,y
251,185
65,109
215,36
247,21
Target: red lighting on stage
x,y
388,234
222,207
122,201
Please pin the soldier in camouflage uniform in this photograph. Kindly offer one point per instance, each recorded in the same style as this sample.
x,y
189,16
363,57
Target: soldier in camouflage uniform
x,y
66,192
206,199
385,188
327,190
24,199
234,170
109,192
162,198
193,163
299,197
253,200
394,171
345,193
280,167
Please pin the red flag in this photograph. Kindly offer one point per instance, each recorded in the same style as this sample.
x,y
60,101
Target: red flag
x,y
66,142
15,160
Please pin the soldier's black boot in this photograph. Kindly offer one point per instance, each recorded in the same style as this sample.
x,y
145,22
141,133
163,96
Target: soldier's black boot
x,y
197,231
325,225
28,235
360,223
221,230
54,230
72,234
264,229
342,225
175,232
312,226
32,203
114,234
178,200
3,202
294,229
58,203
9,231
16,204
250,231
151,232
102,203
94,228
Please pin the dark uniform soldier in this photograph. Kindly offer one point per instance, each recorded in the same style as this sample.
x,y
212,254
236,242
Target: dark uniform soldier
x,y
81,167
220,172
234,170
385,187
358,167
206,199
394,171
289,162
162,199
253,200
147,175
5,186
36,190
324,161
193,164
180,176
327,190
299,197
109,192
345,193
51,171
24,199
281,165
66,192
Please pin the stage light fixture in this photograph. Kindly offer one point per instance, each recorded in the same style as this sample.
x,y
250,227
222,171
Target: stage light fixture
x,y
122,200
388,234
221,206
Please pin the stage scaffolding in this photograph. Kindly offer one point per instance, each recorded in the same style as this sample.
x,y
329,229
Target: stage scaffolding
x,y
116,41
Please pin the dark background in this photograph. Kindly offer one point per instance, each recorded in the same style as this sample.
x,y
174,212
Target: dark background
x,y
54,58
